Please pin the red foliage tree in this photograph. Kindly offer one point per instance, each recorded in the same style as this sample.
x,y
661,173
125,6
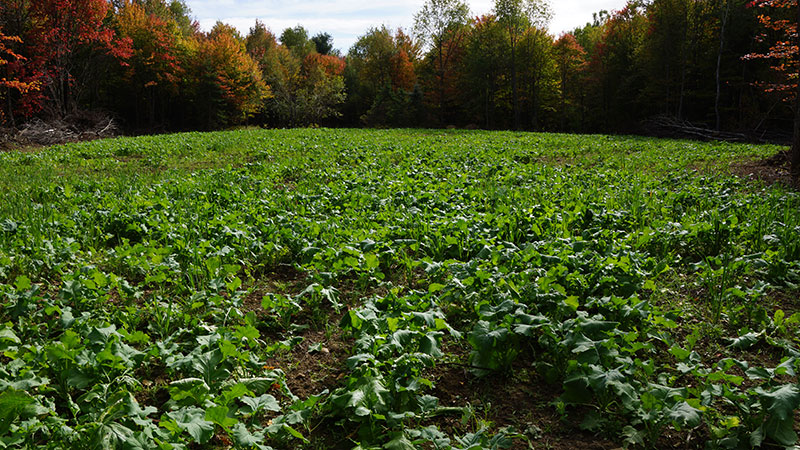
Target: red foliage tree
x,y
330,64
782,17
155,70
9,80
401,63
60,30
570,59
778,20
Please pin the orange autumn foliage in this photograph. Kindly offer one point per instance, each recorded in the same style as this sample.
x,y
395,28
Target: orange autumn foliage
x,y
778,19
9,82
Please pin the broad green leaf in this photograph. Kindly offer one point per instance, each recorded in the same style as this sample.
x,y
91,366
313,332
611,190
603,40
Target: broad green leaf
x,y
428,403
572,302
679,353
192,420
243,438
209,366
746,341
684,415
265,402
294,433
399,442
13,403
781,430
232,393
7,334
435,287
22,283
219,415
371,261
782,401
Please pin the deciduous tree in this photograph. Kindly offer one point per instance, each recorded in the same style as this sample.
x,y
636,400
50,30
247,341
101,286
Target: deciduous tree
x,y
516,16
305,90
441,24
9,81
538,79
570,60
156,70
231,87
782,17
296,39
380,62
484,72
66,39
616,62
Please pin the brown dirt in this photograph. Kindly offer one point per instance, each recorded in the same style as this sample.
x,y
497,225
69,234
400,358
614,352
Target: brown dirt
x,y
18,147
788,301
307,373
310,374
283,277
155,383
772,170
520,399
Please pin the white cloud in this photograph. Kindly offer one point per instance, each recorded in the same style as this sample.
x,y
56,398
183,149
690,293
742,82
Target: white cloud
x,y
345,20
570,14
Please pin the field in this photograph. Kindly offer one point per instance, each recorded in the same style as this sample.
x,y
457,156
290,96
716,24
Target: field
x,y
405,289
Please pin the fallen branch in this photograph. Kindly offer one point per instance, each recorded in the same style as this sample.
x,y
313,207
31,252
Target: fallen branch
x,y
79,127
674,127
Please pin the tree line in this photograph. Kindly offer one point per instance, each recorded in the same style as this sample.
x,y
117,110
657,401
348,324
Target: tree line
x,y
716,63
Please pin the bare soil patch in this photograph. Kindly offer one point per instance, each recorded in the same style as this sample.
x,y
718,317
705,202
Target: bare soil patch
x,y
520,399
772,170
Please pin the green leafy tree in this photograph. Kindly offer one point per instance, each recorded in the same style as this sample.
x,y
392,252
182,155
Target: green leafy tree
x,y
665,54
321,89
483,70
296,39
516,16
323,42
570,59
307,90
538,78
619,78
379,61
441,25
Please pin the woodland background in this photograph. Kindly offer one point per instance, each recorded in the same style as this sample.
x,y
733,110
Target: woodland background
x,y
725,67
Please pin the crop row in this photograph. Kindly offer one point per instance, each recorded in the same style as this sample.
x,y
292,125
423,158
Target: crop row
x,y
144,308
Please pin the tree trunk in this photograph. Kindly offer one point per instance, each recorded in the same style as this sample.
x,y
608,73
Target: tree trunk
x,y
486,108
514,85
719,62
563,99
535,94
441,86
796,140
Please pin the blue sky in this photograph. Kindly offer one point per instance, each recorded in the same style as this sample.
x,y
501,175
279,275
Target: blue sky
x,y
345,20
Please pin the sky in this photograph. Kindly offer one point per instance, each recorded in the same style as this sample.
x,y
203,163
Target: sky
x,y
346,20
